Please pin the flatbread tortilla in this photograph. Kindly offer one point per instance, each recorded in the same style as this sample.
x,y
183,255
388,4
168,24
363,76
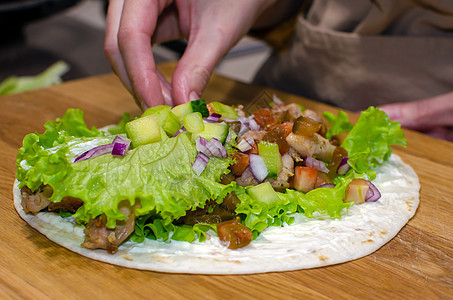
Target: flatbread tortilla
x,y
307,243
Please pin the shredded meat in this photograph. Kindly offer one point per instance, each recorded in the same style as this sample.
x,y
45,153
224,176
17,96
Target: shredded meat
x,y
37,201
98,236
69,204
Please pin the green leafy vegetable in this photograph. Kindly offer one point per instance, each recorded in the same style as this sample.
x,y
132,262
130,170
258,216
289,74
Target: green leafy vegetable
x,y
337,123
368,143
120,128
50,76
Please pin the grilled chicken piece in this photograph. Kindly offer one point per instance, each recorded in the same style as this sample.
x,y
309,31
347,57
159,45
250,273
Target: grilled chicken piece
x,y
315,146
69,204
98,236
37,201
282,181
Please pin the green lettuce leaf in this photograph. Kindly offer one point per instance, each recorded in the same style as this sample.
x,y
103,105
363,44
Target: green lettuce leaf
x,y
120,128
50,76
337,123
369,141
43,158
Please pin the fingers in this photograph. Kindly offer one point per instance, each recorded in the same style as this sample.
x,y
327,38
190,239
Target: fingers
x,y
111,49
211,35
136,27
423,114
130,27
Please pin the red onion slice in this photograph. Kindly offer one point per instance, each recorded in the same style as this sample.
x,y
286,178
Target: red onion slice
x,y
96,151
344,167
373,193
183,129
258,167
200,163
317,164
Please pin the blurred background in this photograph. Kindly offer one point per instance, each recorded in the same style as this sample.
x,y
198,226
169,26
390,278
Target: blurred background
x,y
37,33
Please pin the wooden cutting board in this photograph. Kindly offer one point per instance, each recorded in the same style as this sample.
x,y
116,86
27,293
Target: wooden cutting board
x,y
417,263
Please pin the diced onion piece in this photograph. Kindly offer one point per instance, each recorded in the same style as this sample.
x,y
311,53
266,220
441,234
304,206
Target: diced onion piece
x,y
276,100
218,144
213,147
344,167
373,193
327,185
96,151
121,145
201,144
244,146
119,149
244,128
213,118
258,167
253,125
317,164
200,163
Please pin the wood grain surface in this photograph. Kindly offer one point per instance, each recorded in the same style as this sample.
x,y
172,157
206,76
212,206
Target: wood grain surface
x,y
417,263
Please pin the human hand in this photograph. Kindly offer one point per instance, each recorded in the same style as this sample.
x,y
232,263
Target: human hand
x,y
433,116
212,27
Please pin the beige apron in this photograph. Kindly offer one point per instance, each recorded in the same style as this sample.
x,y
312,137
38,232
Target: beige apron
x,y
355,53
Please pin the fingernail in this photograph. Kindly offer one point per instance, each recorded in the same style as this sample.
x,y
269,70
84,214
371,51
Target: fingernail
x,y
193,96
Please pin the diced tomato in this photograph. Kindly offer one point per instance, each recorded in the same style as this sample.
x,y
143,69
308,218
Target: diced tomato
x,y
233,234
304,178
240,164
288,126
356,191
263,117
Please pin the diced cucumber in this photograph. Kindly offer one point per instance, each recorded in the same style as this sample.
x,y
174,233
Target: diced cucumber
x,y
183,110
213,130
226,111
272,158
193,122
144,130
167,120
263,192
